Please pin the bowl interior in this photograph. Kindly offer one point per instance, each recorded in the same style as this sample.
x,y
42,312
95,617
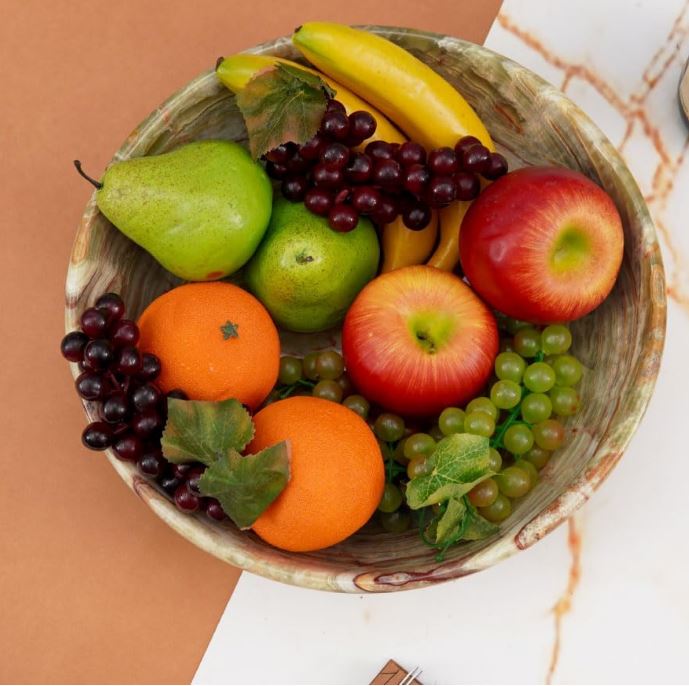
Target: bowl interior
x,y
620,343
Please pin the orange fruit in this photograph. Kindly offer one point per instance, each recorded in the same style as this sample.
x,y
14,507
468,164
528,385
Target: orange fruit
x,y
336,473
214,341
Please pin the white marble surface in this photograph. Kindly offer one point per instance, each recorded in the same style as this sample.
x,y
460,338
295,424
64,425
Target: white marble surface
x,y
629,617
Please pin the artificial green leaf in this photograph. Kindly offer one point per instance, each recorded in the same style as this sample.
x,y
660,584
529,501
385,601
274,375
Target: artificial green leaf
x,y
281,104
246,485
450,523
476,527
460,461
201,430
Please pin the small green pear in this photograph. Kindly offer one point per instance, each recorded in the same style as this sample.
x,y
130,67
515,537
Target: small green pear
x,y
201,210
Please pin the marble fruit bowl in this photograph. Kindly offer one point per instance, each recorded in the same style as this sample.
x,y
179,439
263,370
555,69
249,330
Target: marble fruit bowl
x,y
621,342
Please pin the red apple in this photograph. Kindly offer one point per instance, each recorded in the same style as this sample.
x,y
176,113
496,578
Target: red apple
x,y
542,244
417,340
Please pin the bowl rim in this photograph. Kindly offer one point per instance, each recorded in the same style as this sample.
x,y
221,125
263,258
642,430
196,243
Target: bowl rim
x,y
561,508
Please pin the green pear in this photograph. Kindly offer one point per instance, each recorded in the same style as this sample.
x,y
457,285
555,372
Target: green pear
x,y
200,210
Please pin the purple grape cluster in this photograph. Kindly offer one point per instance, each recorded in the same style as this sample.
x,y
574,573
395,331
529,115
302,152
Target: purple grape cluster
x,y
117,376
386,180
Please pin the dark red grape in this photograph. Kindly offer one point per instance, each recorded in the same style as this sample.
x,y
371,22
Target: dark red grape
x,y
294,188
335,124
441,191
342,195
97,436
112,305
497,167
94,323
359,168
297,164
98,354
467,186
72,346
185,500
180,471
147,423
281,154
146,397
335,155
335,106
318,201
150,367
91,385
193,476
327,178
362,125
169,483
411,153
125,332
311,150
464,144
276,171
416,216
178,394
476,159
128,447
129,361
151,463
343,218
214,509
387,173
115,408
443,161
380,150
365,199
386,211
416,179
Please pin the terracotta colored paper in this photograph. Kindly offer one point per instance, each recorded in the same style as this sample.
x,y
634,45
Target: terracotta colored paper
x,y
93,587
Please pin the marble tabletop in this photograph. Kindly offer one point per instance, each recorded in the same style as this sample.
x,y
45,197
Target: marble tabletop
x,y
603,599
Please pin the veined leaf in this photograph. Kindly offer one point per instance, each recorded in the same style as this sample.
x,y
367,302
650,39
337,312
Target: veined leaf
x,y
450,523
476,527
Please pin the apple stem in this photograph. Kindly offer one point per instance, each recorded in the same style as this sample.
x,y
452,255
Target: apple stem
x,y
93,182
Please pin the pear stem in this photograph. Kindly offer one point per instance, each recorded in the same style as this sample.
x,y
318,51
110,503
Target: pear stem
x,y
218,62
93,182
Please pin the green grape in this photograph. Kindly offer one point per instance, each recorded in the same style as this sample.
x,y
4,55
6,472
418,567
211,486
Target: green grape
x,y
514,325
549,435
419,466
518,439
495,460
568,370
500,509
505,394
513,482
451,421
555,339
565,401
418,444
536,407
329,364
539,377
358,404
538,457
389,427
510,367
530,469
346,385
273,397
399,453
527,342
395,522
479,423
485,405
391,500
435,433
506,345
328,390
290,370
309,366
484,494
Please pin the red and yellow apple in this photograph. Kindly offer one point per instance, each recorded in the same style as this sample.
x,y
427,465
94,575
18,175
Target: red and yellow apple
x,y
542,244
417,340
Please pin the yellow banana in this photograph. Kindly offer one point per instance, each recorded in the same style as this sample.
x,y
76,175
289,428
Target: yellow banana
x,y
237,70
420,101
403,247
446,255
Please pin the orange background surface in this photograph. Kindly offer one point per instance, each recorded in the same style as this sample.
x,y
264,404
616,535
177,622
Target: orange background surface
x,y
93,587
